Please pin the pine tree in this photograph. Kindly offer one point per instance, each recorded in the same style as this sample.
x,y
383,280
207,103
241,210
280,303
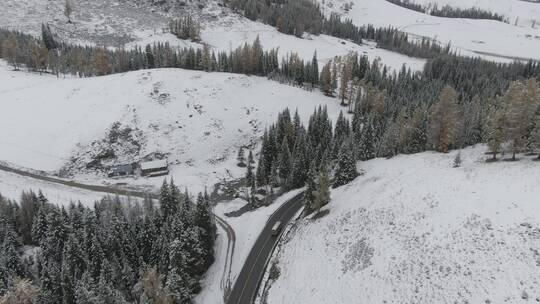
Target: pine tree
x,y
311,188
285,161
166,200
346,166
150,61
204,220
365,145
326,80
47,37
177,286
241,157
297,177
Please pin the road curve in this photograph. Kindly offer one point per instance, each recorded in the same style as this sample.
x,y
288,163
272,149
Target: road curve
x,y
231,236
248,281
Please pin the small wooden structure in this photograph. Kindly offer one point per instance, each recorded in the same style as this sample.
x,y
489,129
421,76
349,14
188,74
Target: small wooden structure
x,y
154,168
121,170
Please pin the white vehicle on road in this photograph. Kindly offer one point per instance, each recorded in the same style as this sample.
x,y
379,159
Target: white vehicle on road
x,y
276,228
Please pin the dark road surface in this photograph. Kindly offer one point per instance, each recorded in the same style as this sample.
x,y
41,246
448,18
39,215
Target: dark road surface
x,y
246,285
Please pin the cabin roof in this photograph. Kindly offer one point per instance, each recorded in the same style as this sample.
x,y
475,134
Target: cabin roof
x,y
155,164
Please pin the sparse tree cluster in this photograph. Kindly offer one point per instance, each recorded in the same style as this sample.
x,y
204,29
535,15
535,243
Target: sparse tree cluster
x,y
116,252
470,13
448,11
297,17
293,156
186,27
514,121
444,107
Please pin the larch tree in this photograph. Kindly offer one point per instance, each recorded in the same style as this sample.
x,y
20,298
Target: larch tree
x,y
322,196
10,48
517,121
536,135
496,134
532,104
444,120
101,62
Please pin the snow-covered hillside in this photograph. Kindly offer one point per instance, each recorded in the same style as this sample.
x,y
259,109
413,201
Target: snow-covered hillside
x,y
413,229
198,119
492,39
125,24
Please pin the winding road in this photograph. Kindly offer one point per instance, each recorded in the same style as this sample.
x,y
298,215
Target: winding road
x,y
248,281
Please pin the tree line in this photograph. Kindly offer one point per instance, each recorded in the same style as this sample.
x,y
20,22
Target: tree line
x,y
48,55
401,113
446,106
448,11
292,155
116,252
296,17
186,27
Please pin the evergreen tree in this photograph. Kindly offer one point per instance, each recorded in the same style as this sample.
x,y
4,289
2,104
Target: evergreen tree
x,y
311,188
47,37
285,162
241,157
346,166
177,287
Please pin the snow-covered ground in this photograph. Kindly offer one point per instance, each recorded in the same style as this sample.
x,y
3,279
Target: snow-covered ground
x,y
198,119
492,39
12,185
413,229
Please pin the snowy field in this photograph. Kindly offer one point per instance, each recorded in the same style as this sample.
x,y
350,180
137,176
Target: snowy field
x,y
492,39
199,120
12,185
415,230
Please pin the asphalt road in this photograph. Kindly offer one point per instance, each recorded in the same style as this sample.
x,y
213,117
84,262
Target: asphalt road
x,y
248,281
